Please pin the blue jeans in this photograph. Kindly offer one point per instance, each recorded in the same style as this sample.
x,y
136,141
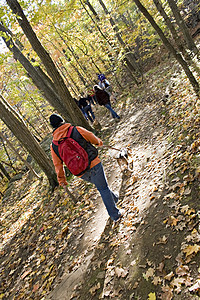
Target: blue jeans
x,y
96,175
114,114
88,110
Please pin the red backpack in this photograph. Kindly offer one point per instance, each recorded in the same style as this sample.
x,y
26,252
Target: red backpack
x,y
72,153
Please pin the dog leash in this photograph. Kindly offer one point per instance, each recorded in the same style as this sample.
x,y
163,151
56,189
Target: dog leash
x,y
108,146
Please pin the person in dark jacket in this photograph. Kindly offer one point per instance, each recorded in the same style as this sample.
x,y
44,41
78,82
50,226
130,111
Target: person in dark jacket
x,y
85,106
104,99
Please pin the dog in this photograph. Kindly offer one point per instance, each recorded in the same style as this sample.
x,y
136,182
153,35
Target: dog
x,y
125,160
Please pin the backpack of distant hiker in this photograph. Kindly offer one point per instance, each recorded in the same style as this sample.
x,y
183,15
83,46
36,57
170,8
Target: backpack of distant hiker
x,y
75,151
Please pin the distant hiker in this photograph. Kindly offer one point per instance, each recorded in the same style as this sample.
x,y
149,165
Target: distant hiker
x,y
104,99
70,145
85,114
105,85
84,104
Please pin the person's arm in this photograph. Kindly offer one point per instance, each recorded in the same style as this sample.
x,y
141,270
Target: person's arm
x,y
59,168
89,136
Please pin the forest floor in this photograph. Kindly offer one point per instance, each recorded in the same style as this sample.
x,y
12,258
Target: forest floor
x,y
54,249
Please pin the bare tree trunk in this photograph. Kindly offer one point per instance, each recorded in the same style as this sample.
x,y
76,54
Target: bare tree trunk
x,y
60,68
38,109
169,47
28,141
181,23
94,21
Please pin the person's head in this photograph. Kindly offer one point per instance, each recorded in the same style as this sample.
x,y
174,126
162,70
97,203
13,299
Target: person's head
x,y
101,77
96,88
56,120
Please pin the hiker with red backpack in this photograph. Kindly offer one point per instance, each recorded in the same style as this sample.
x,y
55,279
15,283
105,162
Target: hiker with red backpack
x,y
73,145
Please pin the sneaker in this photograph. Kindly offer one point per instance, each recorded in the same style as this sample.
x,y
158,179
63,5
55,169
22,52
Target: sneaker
x,y
117,119
121,214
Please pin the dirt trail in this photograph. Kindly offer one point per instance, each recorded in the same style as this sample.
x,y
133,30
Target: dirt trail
x,y
123,134
143,256
89,237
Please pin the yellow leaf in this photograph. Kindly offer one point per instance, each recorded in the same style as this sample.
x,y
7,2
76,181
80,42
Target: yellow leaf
x,y
42,257
152,296
191,249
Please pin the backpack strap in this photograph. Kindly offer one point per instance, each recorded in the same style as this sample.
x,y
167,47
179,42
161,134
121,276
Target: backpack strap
x,y
55,148
69,131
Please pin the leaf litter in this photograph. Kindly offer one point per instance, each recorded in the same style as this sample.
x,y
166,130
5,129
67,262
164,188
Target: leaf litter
x,y
152,253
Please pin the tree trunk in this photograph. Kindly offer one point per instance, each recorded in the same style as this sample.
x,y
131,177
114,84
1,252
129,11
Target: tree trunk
x,y
170,26
73,111
9,159
96,25
42,85
18,155
181,23
3,170
169,47
28,141
70,77
92,10
60,68
130,60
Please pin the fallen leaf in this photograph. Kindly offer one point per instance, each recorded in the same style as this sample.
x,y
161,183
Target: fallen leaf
x,y
167,295
169,276
26,273
149,273
161,267
182,270
162,240
195,286
152,296
93,289
35,287
121,272
156,280
191,249
42,257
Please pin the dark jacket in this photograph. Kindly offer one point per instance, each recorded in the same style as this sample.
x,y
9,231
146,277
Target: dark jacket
x,y
102,97
83,102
